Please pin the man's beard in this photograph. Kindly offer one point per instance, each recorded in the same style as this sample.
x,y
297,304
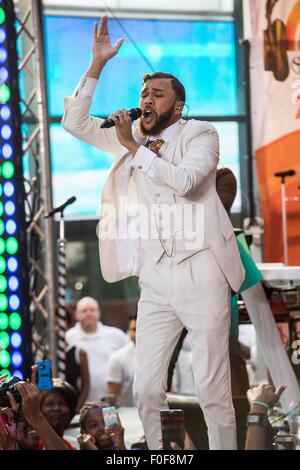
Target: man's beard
x,y
160,124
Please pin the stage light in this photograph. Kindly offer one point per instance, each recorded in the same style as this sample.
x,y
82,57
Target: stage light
x,y
6,132
14,298
12,264
2,265
4,340
4,94
4,359
15,321
3,55
3,321
12,246
18,373
13,283
7,151
8,170
10,227
14,302
16,359
3,74
8,189
5,113
3,283
2,16
9,208
16,340
3,302
2,35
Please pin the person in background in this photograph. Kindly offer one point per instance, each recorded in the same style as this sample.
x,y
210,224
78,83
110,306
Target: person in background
x,y
59,406
77,367
97,340
93,433
261,399
121,369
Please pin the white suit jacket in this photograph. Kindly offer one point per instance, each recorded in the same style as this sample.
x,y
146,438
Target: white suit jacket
x,y
184,179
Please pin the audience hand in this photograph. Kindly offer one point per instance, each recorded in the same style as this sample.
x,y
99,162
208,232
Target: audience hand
x,y
116,433
188,444
30,401
3,378
6,441
86,442
266,394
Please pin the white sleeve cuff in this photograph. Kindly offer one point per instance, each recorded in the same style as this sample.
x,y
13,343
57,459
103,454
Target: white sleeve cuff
x,y
144,160
86,87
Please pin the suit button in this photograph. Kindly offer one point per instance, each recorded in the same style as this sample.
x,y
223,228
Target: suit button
x,y
140,167
157,195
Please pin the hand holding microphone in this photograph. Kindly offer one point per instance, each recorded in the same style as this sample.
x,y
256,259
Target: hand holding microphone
x,y
133,113
123,121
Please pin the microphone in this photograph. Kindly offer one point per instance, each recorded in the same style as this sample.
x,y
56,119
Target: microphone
x,y
284,174
134,113
61,207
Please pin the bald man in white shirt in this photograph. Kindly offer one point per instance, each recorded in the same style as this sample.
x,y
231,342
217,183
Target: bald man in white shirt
x,y
187,265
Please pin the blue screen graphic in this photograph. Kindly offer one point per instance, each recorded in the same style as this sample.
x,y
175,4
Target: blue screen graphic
x,y
200,53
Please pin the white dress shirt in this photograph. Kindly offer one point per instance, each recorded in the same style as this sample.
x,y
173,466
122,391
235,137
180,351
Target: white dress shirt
x,y
98,346
121,370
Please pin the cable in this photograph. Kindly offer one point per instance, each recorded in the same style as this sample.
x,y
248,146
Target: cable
x,y
128,35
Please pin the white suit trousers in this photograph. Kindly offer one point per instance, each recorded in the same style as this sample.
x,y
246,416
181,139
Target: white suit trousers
x,y
194,294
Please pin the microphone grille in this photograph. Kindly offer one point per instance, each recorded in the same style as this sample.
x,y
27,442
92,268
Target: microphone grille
x,y
135,113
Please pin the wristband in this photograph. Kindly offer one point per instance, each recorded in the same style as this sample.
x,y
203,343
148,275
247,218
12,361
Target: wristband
x,y
257,419
261,403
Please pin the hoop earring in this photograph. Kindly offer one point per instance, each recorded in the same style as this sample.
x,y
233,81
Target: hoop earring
x,y
186,117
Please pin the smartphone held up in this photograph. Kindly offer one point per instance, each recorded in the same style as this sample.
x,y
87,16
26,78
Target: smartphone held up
x,y
172,427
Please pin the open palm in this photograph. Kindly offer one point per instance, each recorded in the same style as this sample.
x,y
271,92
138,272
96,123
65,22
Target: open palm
x,y
102,48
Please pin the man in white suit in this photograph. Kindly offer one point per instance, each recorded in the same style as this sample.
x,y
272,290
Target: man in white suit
x,y
186,261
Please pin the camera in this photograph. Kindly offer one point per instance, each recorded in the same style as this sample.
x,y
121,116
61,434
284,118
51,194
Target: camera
x,y
9,386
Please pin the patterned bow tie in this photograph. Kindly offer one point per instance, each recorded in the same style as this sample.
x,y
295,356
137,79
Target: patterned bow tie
x,y
155,145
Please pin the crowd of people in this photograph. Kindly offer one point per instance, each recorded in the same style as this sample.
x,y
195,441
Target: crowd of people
x,y
42,418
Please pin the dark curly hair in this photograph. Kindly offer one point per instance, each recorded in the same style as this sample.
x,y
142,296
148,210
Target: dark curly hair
x,y
90,405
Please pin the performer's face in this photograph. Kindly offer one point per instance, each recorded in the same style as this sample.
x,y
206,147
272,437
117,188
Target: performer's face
x,y
158,103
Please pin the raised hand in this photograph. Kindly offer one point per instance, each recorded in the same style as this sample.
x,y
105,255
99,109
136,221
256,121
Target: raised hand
x,y
3,378
30,401
266,394
86,442
102,48
116,433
